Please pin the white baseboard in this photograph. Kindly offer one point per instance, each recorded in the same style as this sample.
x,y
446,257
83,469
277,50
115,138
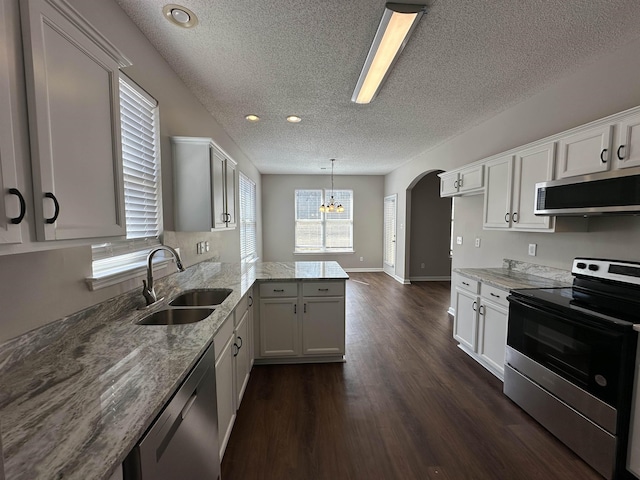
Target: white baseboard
x,y
452,311
430,279
363,270
403,281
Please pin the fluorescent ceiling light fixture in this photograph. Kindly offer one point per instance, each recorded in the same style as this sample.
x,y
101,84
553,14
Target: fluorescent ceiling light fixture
x,y
293,119
252,118
396,26
179,15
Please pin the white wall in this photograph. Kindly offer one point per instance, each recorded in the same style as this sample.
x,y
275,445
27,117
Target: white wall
x,y
278,214
607,86
37,288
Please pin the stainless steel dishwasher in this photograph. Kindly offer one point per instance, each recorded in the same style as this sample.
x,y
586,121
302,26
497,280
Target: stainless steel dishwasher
x,y
182,443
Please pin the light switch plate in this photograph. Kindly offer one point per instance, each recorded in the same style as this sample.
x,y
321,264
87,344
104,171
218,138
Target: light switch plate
x,y
533,247
459,240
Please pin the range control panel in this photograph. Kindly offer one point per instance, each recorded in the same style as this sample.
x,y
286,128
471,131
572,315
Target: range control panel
x,y
620,271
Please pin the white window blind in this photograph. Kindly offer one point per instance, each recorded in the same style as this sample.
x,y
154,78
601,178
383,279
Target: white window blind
x,y
248,246
390,230
141,170
323,232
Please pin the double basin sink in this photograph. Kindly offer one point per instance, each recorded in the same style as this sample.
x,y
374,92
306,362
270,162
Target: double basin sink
x,y
189,307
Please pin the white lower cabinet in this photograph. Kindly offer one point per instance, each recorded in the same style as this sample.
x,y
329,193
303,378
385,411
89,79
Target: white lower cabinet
x,y
225,390
301,322
242,364
480,323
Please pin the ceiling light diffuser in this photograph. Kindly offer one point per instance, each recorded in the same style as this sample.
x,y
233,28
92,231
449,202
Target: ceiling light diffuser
x,y
179,15
396,26
293,119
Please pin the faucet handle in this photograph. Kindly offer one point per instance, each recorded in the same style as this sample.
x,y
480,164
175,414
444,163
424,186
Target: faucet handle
x,y
149,295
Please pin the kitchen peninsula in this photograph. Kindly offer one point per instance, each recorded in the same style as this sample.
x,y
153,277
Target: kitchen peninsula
x,y
76,395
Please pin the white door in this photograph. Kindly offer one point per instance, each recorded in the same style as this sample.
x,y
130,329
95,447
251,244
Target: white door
x,y
390,212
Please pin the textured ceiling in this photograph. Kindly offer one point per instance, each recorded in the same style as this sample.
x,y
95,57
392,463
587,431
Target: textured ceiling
x,y
466,61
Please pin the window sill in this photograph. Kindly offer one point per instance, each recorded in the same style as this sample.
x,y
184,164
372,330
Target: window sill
x,y
121,274
326,252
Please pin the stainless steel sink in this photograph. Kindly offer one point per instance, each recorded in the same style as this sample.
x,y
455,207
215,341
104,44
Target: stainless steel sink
x,y
201,297
176,316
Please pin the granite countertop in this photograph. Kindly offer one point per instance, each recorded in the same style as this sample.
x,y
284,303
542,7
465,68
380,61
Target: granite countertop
x,y
76,395
510,279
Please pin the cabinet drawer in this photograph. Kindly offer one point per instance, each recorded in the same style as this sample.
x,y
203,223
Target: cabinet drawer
x,y
494,294
467,284
223,335
323,289
284,289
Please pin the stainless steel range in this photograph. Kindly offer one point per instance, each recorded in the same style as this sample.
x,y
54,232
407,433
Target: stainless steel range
x,y
570,359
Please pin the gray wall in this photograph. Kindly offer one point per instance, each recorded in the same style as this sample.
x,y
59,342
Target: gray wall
x,y
37,288
591,93
279,217
429,230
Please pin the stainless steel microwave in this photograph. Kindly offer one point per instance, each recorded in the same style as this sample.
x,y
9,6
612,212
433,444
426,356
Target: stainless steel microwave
x,y
615,192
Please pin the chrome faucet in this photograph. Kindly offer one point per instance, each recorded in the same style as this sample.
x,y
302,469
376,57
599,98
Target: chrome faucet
x,y
147,286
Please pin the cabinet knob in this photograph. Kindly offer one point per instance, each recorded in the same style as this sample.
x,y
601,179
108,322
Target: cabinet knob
x,y
602,153
620,156
56,207
23,206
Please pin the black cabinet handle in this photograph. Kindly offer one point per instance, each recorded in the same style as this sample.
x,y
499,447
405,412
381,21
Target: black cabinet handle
x,y
602,155
250,301
514,217
295,308
460,183
620,157
481,310
475,304
23,206
305,308
465,283
323,289
506,217
278,290
235,354
455,184
240,346
56,206
494,295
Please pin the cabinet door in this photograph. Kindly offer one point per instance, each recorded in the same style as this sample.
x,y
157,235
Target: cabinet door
x,y
279,327
628,149
497,197
231,188
492,334
242,357
218,180
226,395
75,138
449,184
192,184
531,166
10,204
251,326
471,179
323,323
586,151
465,321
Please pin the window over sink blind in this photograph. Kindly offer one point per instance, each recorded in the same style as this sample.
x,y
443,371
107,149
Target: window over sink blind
x,y
139,122
248,247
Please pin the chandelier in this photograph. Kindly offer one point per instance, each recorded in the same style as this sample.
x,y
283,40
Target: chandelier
x,y
332,206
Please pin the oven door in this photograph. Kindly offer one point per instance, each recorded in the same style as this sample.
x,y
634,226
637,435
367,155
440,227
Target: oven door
x,y
585,354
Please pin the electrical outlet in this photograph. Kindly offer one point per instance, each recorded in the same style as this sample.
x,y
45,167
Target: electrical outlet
x,y
422,265
477,242
532,249
206,246
362,259
198,248
459,240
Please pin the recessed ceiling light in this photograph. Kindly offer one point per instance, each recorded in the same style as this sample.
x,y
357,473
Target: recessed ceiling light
x,y
252,118
293,119
179,15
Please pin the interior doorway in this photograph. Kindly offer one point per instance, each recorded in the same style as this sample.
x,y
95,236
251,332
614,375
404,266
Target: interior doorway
x,y
390,215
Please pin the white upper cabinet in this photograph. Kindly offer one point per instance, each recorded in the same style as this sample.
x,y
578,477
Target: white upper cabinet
x,y
585,151
72,76
510,189
466,181
627,152
12,200
205,185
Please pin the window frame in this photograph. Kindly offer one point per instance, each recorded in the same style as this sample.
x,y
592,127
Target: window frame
x,y
244,223
116,261
323,221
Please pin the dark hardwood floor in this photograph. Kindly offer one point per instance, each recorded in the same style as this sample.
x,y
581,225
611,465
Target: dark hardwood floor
x,y
407,404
